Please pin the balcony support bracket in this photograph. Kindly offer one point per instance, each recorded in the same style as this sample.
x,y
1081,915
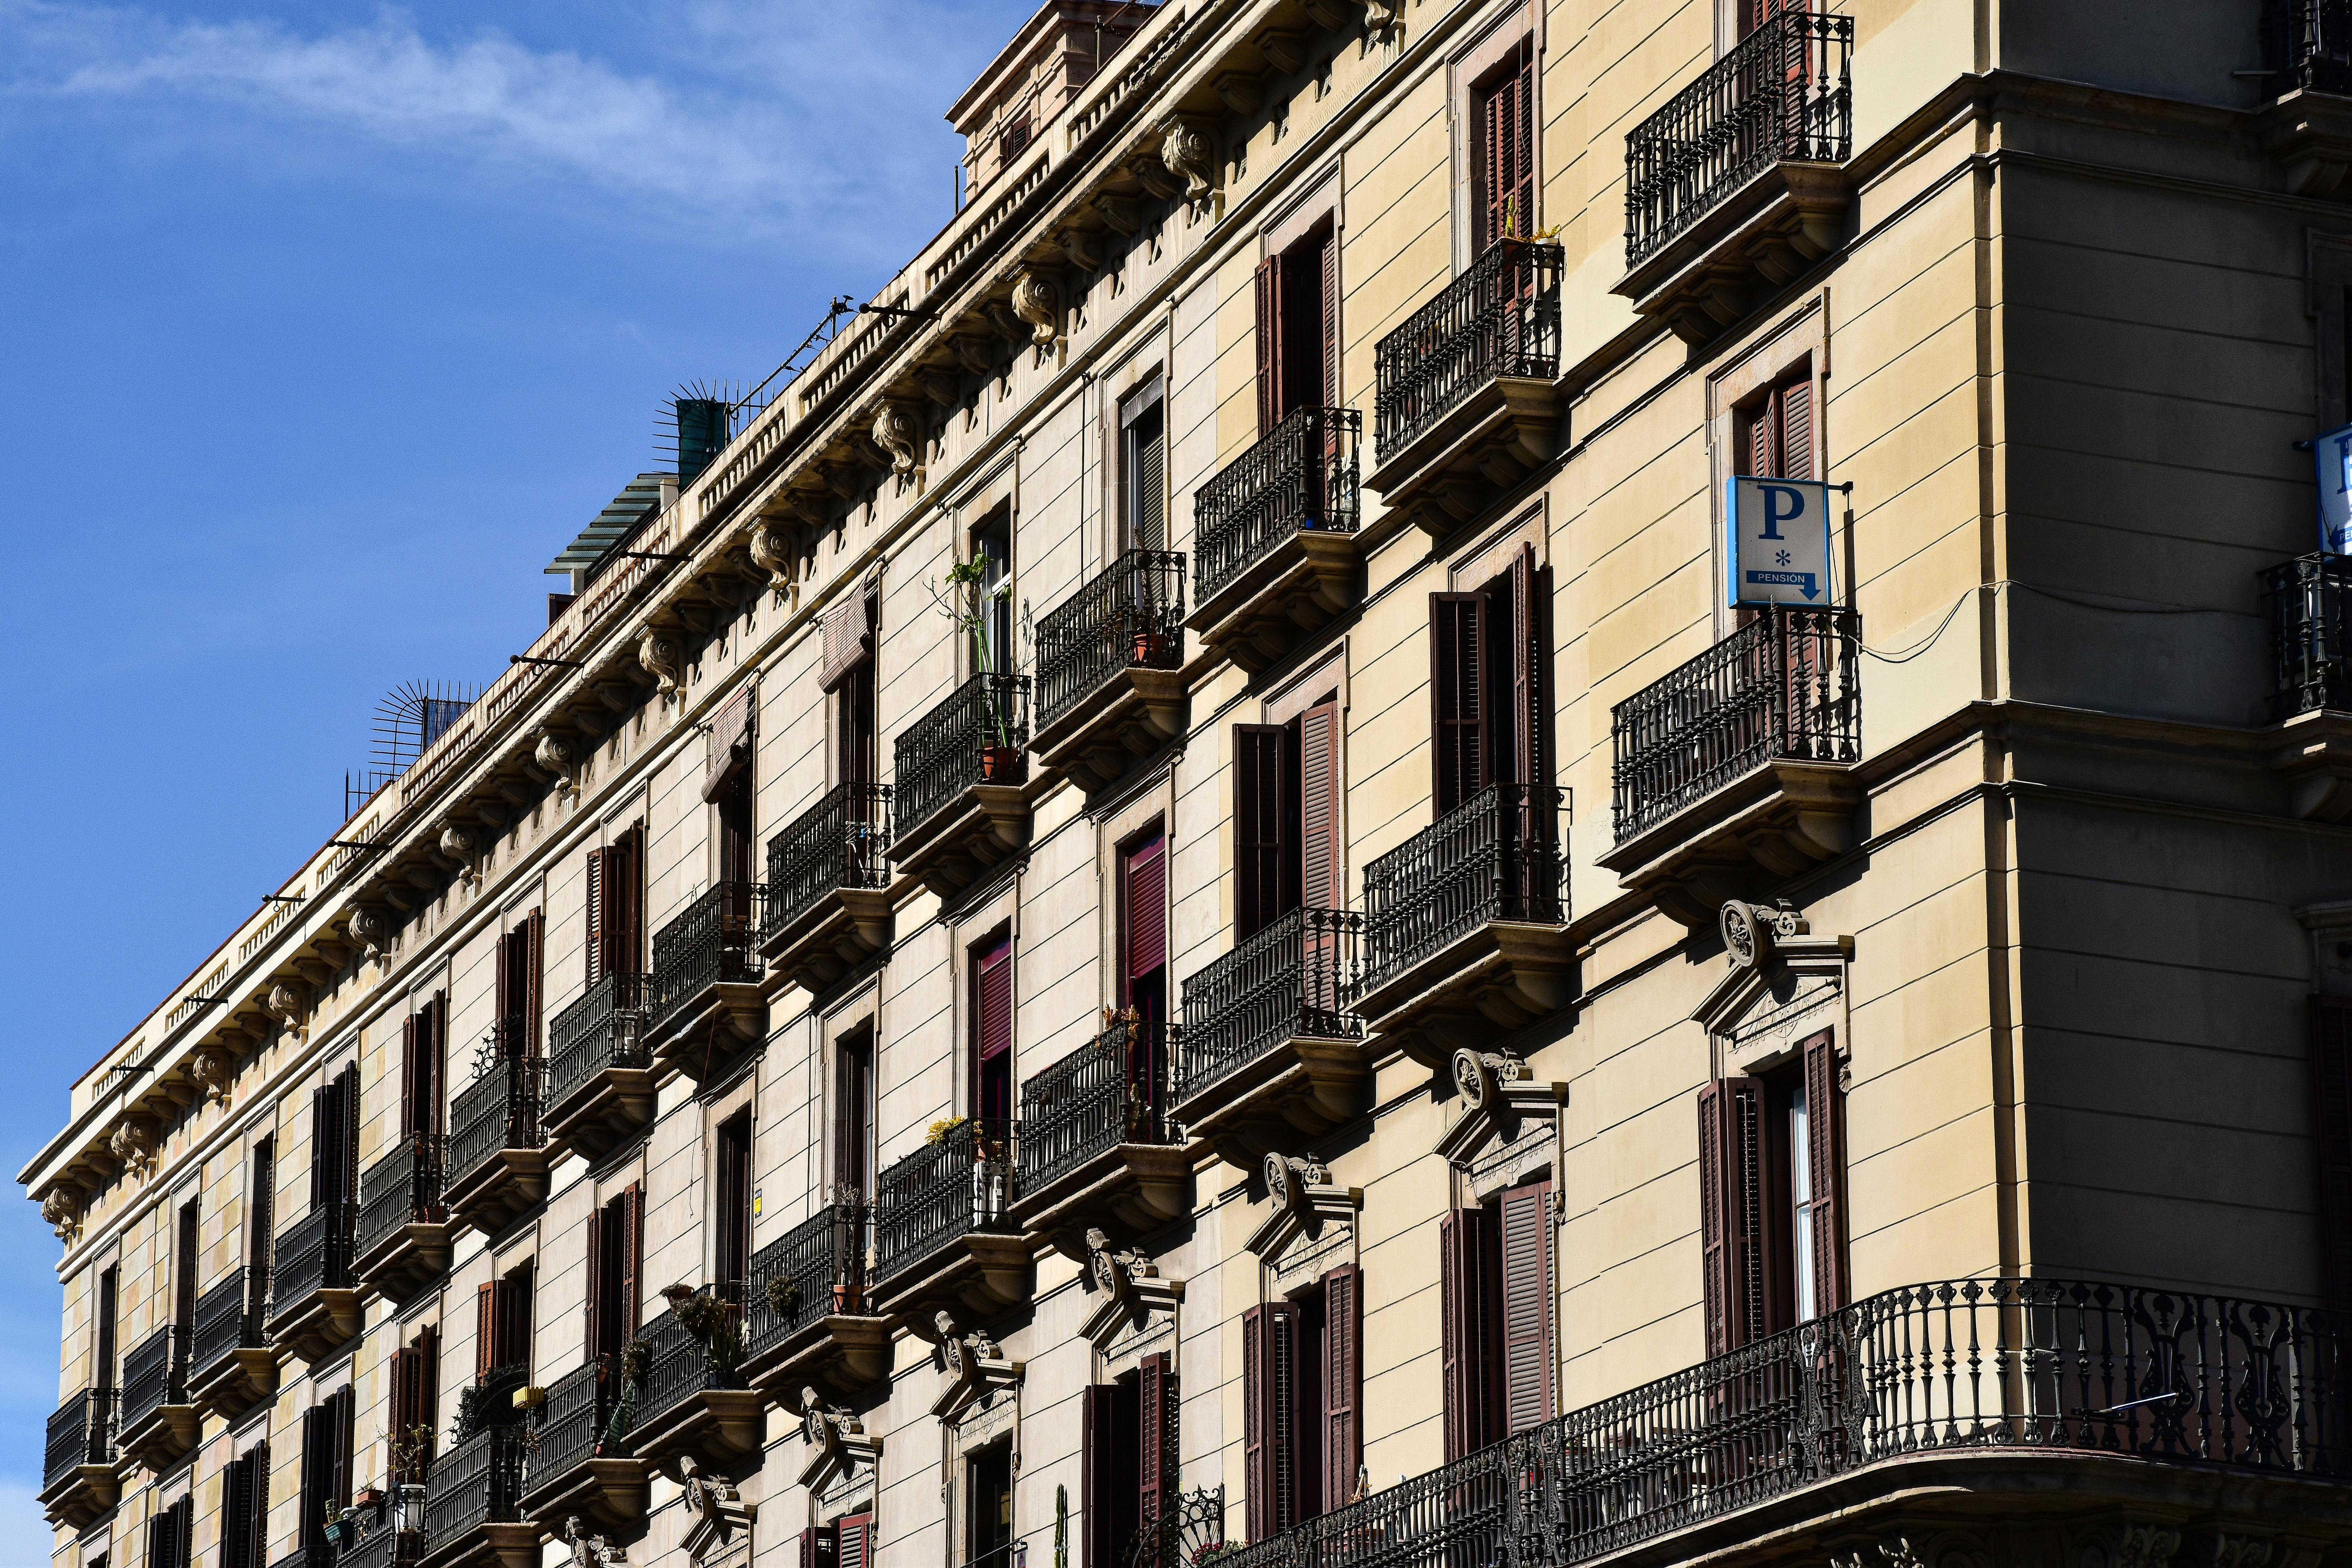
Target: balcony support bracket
x,y
1741,841
840,1356
412,1256
1759,239
845,928
500,1190
605,1114
238,1382
607,1494
966,839
1451,472
732,1015
721,1429
310,1328
1297,1091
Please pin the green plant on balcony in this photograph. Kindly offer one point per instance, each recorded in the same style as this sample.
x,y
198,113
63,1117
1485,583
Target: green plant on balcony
x,y
963,597
940,1132
784,1296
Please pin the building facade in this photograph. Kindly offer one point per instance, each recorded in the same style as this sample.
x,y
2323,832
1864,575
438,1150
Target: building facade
x,y
1494,783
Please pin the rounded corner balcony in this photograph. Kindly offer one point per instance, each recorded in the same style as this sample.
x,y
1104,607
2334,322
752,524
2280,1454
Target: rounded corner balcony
x,y
828,904
703,999
1987,1421
159,1422
944,1235
1736,771
1271,1052
1467,398
231,1367
404,1235
808,1320
1737,184
1100,1146
959,807
1110,659
600,1078
314,1304
688,1397
1275,555
498,1154
471,1513
1465,926
581,1460
79,1483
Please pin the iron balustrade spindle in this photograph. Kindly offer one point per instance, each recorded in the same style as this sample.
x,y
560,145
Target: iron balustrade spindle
x,y
2310,633
956,1184
228,1317
840,842
1301,478
1500,318
710,943
677,1365
1782,688
573,1421
314,1255
1782,95
1191,1522
1495,858
815,1269
402,1188
155,1374
1112,1091
2308,45
978,735
382,1547
603,1029
81,1432
499,1110
1130,615
1296,977
474,1484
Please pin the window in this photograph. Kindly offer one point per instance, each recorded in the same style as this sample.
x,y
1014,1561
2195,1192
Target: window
x,y
1499,1332
1487,663
244,1509
731,1234
102,1348
992,545
1774,430
1142,978
423,1069
326,1468
1286,818
1013,139
991,1030
847,1543
853,1113
1143,471
848,674
170,1533
184,1263
1502,151
616,907
1299,328
416,1401
1771,1168
1302,1388
502,1326
1128,1458
334,1140
988,1505
519,989
260,1199
616,1241
727,786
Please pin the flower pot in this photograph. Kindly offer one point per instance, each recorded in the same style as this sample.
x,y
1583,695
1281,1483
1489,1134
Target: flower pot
x,y
366,1496
998,764
1151,647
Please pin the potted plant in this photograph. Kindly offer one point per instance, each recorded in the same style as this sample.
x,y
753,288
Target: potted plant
x,y
964,598
368,1497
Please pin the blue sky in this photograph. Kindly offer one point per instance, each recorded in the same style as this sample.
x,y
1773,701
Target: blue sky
x,y
326,326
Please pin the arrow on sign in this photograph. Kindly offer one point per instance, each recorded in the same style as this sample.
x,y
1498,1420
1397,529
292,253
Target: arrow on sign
x,y
1800,580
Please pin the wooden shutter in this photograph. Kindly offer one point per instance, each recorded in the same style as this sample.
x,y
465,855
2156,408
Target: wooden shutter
x,y
1794,427
1506,160
436,1062
1097,1475
167,1535
598,1219
1343,1383
821,1547
595,947
1526,667
1457,691
1257,1470
857,1539
347,1136
534,948
1147,911
1322,875
184,1276
1155,1384
1148,483
412,1096
261,1206
1468,1275
310,1522
1269,345
1262,811
342,1411
1286,1428
1525,1215
731,744
1734,1212
1825,1170
514,1324
1329,262
633,1254
485,1329
992,1021
322,1120
428,1390
1715,1203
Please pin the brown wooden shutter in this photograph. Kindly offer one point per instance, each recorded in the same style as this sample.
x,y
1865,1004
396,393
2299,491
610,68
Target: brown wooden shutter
x,y
515,1317
1525,1215
1322,875
1330,265
1526,666
1155,1387
1096,1476
1825,1170
1506,162
485,1329
594,946
632,1254
1257,1470
429,1385
1715,1203
1457,690
1794,421
1286,1429
629,893
821,1547
597,1220
1734,1212
1343,1383
412,1096
1261,811
322,1118
534,953
856,1536
1468,1276
1270,344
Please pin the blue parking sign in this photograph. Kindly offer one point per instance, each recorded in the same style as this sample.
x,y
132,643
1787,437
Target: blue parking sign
x,y
1780,540
2333,454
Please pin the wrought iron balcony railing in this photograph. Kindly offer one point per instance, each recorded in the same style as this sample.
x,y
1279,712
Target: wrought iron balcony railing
x,y
709,945
228,1317
1129,617
1111,1090
603,1029
475,1483
1782,688
815,1269
1295,977
2033,1366
383,1546
1302,477
978,735
2310,633
155,1374
80,1433
402,1188
1496,857
1501,318
840,842
1782,95
499,1110
314,1255
679,1364
1190,1525
2308,44
959,1182
583,1417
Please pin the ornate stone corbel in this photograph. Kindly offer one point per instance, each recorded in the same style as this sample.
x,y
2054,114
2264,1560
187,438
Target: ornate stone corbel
x,y
132,1141
899,436
1083,247
2147,1546
658,652
1118,212
212,1067
61,1207
290,1003
460,843
1499,1095
1750,930
977,1369
772,552
716,1509
1132,1287
1156,177
1303,1199
370,930
838,1443
557,754
591,1551
1038,302
1186,149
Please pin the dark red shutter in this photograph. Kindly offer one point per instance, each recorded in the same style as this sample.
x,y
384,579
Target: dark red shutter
x,y
1270,344
2331,1083
1330,262
1257,1470
428,1384
1261,811
1714,1218
1322,870
633,1254
600,883
1825,1170
1343,1383
1096,1476
534,949
411,1097
1526,1222
992,1033
821,1547
1457,689
1155,1386
1285,1424
1468,1276
1795,427
856,1534
436,1062
1505,155
1735,1223
485,1329
1526,664
1146,908
597,1219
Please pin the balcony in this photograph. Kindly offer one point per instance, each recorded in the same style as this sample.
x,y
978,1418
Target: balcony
x,y
1465,926
470,1503
2310,602
944,1235
600,1080
231,1367
79,1482
1468,399
384,1545
159,1421
1736,771
1098,1146
314,1305
405,1233
806,1322
581,1461
1276,554
703,1000
1271,1054
1110,688
1738,185
2307,44
691,1400
960,809
498,1151
828,910
1971,1400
